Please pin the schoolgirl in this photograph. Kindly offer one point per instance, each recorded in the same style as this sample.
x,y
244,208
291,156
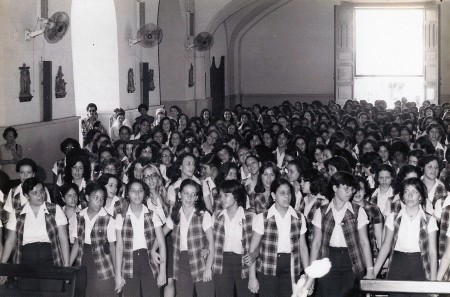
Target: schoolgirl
x,y
187,165
279,232
113,204
376,219
312,185
282,139
436,192
232,237
411,238
78,171
210,165
25,168
253,164
136,230
193,234
293,171
261,198
94,245
444,256
38,234
340,233
384,176
69,195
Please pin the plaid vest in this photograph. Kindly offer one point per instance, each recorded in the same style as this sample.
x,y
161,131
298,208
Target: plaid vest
x,y
52,231
15,199
309,217
261,203
267,261
375,217
82,202
99,245
196,240
350,228
423,242
374,198
396,205
445,221
60,168
127,237
219,239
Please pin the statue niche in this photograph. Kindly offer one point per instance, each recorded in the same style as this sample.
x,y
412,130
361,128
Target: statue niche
x,y
60,84
25,84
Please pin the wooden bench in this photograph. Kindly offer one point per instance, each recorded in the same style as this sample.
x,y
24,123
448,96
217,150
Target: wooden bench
x,y
75,277
389,286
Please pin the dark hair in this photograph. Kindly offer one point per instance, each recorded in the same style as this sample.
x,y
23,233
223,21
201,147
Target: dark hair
x,y
66,142
361,180
29,184
418,184
104,179
418,153
427,159
372,160
144,186
26,161
65,188
237,189
276,184
425,144
91,105
402,173
384,167
141,160
93,187
340,163
338,179
143,105
199,204
224,170
317,181
72,158
125,128
259,187
112,161
10,129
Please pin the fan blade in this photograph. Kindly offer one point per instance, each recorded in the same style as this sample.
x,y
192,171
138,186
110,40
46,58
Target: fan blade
x,y
56,32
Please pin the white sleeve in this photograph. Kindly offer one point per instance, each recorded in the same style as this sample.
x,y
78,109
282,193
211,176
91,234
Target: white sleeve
x,y
111,230
303,228
8,203
60,217
156,220
207,221
119,221
258,224
317,220
362,218
171,194
390,221
432,225
169,223
12,221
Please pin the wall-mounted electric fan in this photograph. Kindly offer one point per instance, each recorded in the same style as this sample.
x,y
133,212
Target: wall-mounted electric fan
x,y
53,28
149,35
203,41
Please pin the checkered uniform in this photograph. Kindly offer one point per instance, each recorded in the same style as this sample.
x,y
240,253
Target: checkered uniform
x,y
445,221
267,261
350,228
196,240
423,242
127,236
52,231
309,217
99,245
375,217
396,205
219,238
261,203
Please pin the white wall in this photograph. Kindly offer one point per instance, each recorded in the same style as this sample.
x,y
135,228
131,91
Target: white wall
x,y
290,51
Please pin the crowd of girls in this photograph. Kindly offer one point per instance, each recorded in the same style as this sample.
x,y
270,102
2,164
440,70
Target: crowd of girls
x,y
240,203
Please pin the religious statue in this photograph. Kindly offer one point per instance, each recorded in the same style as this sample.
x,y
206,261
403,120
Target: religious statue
x,y
151,74
60,84
191,76
131,88
25,84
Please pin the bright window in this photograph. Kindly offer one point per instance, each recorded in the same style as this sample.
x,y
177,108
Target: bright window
x,y
389,54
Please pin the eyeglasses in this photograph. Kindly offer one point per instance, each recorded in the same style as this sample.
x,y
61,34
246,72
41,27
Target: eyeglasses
x,y
165,155
192,195
150,176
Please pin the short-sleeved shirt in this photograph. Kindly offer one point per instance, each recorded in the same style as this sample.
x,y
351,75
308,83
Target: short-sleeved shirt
x,y
184,226
89,224
35,228
233,230
18,190
409,231
337,237
171,195
283,226
137,223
